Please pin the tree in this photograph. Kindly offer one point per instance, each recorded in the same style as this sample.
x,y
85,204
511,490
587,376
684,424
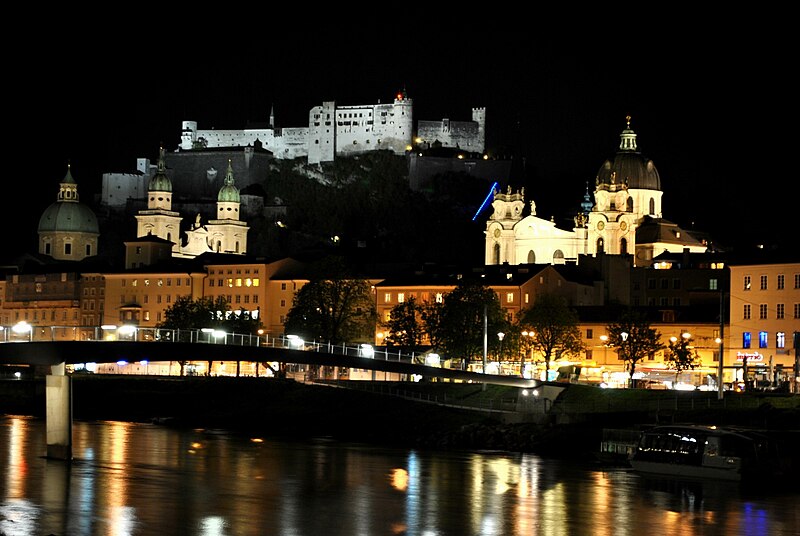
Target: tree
x,y
404,326
457,326
190,314
634,339
333,306
554,326
681,355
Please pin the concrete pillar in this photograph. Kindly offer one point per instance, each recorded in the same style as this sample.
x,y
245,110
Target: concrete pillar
x,y
58,393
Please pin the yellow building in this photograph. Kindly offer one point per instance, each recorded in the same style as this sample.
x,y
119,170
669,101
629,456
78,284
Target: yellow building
x,y
764,317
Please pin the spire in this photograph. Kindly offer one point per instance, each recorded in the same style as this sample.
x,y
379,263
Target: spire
x,y
229,193
160,182
586,204
628,137
272,116
68,190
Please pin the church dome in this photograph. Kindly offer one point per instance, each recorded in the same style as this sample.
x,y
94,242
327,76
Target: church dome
x,y
229,193
160,182
629,166
68,214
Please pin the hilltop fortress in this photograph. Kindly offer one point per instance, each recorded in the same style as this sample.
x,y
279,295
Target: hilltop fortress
x,y
346,130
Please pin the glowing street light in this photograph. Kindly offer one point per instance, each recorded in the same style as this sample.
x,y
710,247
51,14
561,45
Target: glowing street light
x,y
22,327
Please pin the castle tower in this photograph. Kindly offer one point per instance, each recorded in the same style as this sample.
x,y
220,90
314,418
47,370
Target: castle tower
x,y
68,229
188,135
159,219
479,116
403,121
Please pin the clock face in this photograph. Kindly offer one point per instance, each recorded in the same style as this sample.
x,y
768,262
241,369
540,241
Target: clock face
x,y
600,225
497,233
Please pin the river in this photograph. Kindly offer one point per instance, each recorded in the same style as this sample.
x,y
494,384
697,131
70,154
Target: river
x,y
142,479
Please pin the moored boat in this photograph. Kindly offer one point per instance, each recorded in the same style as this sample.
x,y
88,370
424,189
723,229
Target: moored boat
x,y
697,451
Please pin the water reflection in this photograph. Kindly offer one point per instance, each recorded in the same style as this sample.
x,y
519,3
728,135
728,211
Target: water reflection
x,y
131,479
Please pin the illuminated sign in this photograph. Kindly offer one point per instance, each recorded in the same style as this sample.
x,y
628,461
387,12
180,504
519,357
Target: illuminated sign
x,y
755,356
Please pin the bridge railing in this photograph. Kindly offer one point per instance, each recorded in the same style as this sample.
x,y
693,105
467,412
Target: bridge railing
x,y
29,333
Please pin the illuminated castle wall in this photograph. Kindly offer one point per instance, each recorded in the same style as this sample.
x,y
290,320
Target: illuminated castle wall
x,y
466,135
332,130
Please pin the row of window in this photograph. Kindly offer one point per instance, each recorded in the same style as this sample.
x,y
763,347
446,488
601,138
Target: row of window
x,y
158,282
763,339
763,311
780,282
235,282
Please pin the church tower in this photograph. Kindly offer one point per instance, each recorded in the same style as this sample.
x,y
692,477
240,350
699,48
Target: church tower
x,y
227,234
159,219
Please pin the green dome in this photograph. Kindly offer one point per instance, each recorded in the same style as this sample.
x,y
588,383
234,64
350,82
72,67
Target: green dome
x,y
229,193
68,217
160,182
68,214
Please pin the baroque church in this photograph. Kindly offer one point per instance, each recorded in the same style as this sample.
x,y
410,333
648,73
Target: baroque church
x,y
225,234
625,219
69,230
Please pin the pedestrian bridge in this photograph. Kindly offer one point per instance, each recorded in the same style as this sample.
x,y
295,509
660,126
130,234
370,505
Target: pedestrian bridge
x,y
203,345
154,345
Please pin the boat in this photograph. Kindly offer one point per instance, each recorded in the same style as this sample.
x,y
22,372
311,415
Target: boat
x,y
706,452
617,446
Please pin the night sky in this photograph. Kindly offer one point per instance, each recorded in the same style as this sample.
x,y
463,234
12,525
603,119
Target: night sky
x,y
712,111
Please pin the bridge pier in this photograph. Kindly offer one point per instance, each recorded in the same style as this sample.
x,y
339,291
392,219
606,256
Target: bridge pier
x,y
58,416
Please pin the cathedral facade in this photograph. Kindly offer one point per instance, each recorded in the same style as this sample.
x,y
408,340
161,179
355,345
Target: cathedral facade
x,y
625,219
226,233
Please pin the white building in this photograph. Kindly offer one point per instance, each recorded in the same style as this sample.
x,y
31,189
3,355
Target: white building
x,y
626,219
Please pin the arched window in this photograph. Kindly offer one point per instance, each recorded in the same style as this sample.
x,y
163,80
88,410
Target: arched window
x,y
558,257
531,257
219,246
652,206
623,246
600,245
496,254
629,205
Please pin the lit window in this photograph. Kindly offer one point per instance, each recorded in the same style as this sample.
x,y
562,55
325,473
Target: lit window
x,y
747,282
401,297
439,297
762,339
387,297
509,297
746,336
780,340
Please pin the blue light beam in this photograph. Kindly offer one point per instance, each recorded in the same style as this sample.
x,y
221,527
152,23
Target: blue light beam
x,y
491,191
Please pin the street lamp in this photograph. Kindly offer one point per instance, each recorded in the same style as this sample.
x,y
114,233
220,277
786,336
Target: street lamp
x,y
22,327
522,362
500,336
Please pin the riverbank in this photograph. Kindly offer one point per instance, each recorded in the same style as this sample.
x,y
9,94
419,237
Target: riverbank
x,y
289,409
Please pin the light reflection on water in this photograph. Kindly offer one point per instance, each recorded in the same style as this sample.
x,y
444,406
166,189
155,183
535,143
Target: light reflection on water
x,y
131,479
